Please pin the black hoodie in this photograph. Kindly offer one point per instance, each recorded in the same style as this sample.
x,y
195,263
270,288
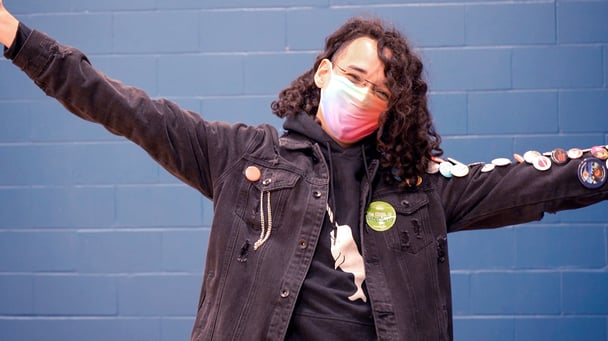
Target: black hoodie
x,y
333,303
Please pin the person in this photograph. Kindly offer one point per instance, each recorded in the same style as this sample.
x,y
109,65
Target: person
x,y
336,229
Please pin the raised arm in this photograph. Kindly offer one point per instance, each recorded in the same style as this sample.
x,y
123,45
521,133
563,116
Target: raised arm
x,y
8,26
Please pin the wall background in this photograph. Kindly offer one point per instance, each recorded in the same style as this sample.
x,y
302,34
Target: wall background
x,y
98,243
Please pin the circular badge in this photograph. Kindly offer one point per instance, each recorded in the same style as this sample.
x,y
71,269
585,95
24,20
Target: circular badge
x,y
599,152
575,153
488,167
518,158
531,155
459,170
542,163
559,156
501,161
380,216
445,168
592,172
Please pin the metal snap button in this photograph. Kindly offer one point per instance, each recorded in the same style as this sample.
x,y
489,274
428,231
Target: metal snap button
x,y
316,194
284,293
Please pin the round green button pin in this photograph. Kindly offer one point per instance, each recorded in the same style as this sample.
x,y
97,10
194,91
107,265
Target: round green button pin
x,y
380,216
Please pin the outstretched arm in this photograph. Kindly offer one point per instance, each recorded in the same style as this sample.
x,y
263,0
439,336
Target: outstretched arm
x,y
8,26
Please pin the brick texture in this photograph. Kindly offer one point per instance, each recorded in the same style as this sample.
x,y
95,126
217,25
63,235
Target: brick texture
x,y
97,242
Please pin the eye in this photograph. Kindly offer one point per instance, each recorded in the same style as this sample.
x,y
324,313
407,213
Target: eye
x,y
382,94
354,78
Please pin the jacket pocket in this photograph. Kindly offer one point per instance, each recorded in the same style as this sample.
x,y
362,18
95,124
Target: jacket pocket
x,y
264,200
411,232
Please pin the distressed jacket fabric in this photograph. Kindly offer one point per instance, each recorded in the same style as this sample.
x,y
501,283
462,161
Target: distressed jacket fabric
x,y
250,294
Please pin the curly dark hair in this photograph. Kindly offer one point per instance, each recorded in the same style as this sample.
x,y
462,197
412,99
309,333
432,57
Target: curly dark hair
x,y
406,138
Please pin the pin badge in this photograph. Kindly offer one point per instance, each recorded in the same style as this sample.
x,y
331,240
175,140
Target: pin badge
x,y
592,172
501,161
575,153
542,163
459,169
599,152
518,158
445,168
380,216
488,167
253,173
559,156
531,155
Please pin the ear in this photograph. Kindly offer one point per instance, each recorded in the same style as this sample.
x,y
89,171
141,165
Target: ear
x,y
323,73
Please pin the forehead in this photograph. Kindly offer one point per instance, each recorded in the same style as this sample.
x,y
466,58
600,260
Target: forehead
x,y
362,53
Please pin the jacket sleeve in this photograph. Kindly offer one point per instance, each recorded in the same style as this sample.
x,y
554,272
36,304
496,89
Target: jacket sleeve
x,y
181,141
513,194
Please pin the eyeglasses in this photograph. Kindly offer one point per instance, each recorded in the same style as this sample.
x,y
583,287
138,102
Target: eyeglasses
x,y
358,80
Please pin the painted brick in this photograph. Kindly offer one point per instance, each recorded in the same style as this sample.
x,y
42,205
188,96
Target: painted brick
x,y
257,31
113,5
585,293
572,246
75,295
35,165
16,122
425,26
176,328
51,122
562,329
31,251
507,24
495,329
250,110
582,21
138,71
70,207
184,250
194,75
267,74
37,6
15,207
583,111
165,31
90,329
119,252
513,113
449,113
15,85
563,67
313,37
158,206
468,69
159,295
477,149
461,288
16,295
94,33
515,293
483,249
215,4
112,163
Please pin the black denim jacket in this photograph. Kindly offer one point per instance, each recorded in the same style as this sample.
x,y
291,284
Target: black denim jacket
x,y
250,294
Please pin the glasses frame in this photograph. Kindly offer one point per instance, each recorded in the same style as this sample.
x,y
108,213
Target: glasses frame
x,y
359,81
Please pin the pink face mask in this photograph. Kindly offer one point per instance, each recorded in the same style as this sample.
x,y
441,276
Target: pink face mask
x,y
350,112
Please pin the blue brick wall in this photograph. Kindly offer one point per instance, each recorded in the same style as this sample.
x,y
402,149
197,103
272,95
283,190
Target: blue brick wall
x,y
97,242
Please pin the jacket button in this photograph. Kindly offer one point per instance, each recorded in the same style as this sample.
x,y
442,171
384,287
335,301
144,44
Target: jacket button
x,y
284,293
316,194
302,243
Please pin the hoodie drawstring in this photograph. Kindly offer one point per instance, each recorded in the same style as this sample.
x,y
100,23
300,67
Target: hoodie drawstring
x,y
266,230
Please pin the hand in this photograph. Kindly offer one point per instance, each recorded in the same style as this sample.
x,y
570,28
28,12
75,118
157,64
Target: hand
x,y
8,26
